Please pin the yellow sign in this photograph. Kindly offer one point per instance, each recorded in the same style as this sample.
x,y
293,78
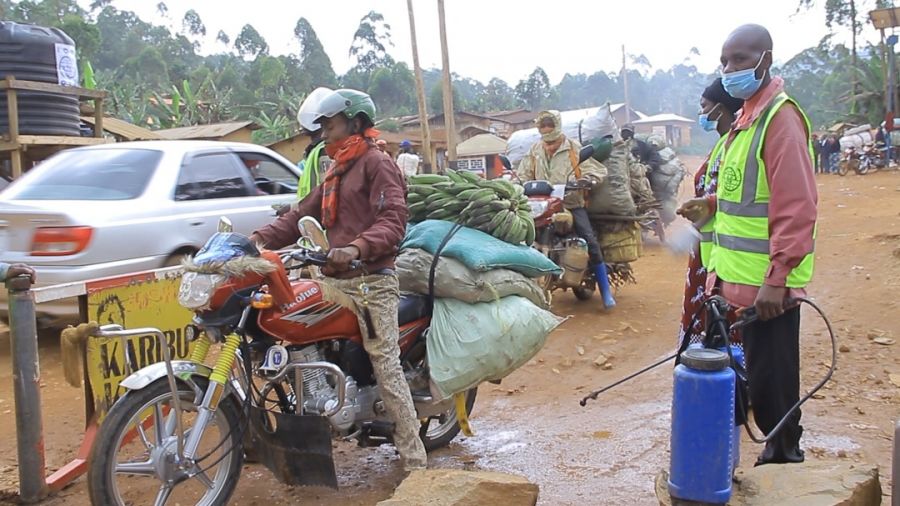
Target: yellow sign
x,y
143,300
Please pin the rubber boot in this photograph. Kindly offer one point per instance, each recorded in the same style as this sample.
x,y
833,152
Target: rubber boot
x,y
603,283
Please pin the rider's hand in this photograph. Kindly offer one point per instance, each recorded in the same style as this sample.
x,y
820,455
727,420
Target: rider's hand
x,y
16,270
586,182
770,302
339,258
695,210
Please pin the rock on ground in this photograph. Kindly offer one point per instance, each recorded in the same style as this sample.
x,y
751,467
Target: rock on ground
x,y
812,483
451,487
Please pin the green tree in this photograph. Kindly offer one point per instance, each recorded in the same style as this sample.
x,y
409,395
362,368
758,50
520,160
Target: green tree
x,y
223,38
250,43
192,24
370,41
499,96
534,91
394,90
314,62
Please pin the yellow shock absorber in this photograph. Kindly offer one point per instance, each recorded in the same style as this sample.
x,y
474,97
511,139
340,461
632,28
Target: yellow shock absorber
x,y
225,360
200,349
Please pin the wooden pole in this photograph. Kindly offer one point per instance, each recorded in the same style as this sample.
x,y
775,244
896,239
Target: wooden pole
x,y
420,94
449,118
12,109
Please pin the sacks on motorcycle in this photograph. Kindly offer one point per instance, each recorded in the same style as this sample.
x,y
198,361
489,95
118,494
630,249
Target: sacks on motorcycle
x,y
620,241
666,180
478,251
581,125
454,280
472,343
641,192
613,196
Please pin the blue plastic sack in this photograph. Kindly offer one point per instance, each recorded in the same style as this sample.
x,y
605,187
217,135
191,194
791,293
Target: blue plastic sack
x,y
478,251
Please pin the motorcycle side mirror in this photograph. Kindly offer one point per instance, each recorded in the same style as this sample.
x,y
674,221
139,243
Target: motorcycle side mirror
x,y
312,235
585,153
225,225
504,160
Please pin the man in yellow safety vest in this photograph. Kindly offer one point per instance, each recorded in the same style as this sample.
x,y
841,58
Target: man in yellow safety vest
x,y
764,231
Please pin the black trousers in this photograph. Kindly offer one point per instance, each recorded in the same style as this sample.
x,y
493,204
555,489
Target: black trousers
x,y
583,228
772,351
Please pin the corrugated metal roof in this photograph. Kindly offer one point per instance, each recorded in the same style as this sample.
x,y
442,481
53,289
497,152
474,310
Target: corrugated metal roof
x,y
480,145
663,118
124,129
214,131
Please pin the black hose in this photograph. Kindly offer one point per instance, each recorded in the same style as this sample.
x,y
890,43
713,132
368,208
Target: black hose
x,y
831,368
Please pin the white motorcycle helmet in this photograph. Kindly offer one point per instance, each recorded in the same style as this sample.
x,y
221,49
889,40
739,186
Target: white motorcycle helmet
x,y
310,109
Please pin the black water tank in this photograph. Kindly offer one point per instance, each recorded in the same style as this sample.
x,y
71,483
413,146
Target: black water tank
x,y
28,53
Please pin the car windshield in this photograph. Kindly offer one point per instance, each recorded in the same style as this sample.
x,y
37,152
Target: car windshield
x,y
90,174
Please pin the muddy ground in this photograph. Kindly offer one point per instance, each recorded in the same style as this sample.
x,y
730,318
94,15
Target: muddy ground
x,y
610,451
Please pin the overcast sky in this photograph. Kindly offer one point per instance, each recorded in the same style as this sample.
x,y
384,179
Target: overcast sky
x,y
507,39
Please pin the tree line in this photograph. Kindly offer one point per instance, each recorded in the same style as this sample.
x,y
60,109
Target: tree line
x,y
156,76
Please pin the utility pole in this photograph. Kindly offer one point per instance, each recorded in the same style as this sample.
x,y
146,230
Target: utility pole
x,y
625,82
449,118
420,94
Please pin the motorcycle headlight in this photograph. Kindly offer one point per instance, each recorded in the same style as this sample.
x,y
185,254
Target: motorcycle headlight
x,y
538,207
197,289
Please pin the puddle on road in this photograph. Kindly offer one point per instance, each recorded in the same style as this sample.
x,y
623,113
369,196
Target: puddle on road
x,y
611,456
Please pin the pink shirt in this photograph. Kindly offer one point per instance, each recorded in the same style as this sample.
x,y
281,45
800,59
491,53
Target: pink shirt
x,y
793,194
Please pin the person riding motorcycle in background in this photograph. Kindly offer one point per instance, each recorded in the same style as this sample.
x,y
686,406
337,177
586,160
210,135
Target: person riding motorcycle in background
x,y
362,205
555,159
640,150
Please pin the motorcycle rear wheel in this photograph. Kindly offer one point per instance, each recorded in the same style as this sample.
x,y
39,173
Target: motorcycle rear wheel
x,y
132,423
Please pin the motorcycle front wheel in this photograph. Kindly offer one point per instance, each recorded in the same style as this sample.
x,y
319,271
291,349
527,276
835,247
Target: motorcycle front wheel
x,y
133,460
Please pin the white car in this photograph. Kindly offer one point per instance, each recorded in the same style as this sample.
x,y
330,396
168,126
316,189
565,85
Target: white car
x,y
114,209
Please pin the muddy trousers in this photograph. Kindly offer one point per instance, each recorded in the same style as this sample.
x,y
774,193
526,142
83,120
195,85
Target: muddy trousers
x,y
381,343
773,369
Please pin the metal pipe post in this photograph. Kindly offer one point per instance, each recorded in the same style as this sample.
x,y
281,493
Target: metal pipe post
x,y
895,471
27,390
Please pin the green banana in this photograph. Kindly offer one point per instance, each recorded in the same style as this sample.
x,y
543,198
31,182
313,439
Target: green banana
x,y
421,189
508,221
439,204
479,220
412,198
530,233
467,194
499,205
416,207
436,196
518,191
439,214
469,177
498,220
426,179
454,176
484,195
458,188
524,207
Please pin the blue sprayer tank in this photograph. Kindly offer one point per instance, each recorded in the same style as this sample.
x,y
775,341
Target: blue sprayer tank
x,y
703,437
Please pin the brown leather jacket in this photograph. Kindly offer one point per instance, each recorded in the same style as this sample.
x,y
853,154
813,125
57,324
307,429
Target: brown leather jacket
x,y
371,213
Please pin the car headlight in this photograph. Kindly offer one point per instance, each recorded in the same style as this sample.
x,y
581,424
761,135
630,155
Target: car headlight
x,y
197,289
538,207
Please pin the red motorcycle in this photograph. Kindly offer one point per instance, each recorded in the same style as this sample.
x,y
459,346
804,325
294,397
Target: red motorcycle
x,y
291,374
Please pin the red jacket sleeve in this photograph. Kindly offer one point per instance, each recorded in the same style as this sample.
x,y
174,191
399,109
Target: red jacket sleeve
x,y
793,194
387,202
283,231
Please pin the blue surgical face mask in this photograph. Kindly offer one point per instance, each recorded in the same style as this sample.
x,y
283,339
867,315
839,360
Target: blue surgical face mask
x,y
708,125
743,84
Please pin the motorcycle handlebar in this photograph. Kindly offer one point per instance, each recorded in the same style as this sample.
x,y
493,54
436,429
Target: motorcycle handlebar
x,y
307,257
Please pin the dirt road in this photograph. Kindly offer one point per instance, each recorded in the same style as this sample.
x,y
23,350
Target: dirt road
x,y
610,451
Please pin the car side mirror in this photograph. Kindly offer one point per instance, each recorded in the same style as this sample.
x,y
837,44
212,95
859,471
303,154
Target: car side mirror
x,y
504,160
312,236
225,225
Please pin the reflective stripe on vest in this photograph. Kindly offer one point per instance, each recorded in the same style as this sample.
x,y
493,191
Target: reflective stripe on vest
x,y
706,231
310,170
740,252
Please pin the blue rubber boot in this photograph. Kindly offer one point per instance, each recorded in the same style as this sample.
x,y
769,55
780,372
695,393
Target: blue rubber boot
x,y
603,282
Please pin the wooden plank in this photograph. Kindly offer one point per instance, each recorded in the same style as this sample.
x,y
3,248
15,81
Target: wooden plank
x,y
60,140
98,117
16,158
15,84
